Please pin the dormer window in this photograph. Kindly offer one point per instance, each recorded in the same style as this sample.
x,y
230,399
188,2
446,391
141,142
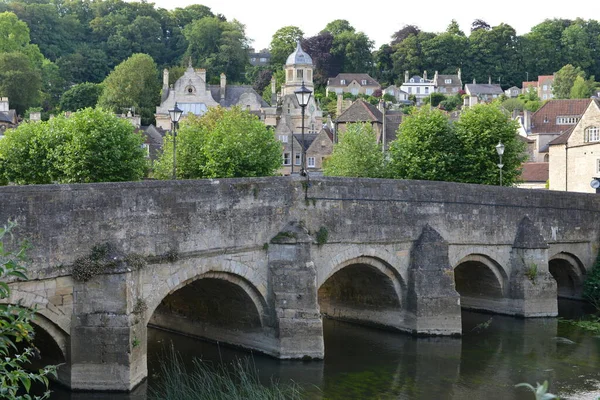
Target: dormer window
x,y
448,81
342,81
422,80
363,82
412,80
567,120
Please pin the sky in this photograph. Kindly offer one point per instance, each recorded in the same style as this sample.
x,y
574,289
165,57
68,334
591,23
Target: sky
x,y
380,19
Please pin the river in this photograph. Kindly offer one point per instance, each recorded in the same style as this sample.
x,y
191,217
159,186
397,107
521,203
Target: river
x,y
494,353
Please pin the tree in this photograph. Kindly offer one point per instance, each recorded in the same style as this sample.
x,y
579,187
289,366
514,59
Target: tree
x,y
564,81
14,33
283,44
80,96
221,144
405,32
480,24
133,83
102,148
478,130
16,329
19,81
582,89
425,148
319,49
91,145
356,155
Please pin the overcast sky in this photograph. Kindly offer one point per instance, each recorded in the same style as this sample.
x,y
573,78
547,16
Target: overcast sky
x,y
379,19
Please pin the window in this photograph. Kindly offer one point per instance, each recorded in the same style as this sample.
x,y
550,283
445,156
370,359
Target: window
x,y
354,91
409,90
297,162
455,89
426,89
286,158
289,110
442,90
253,59
545,88
421,80
412,80
448,81
342,82
283,138
545,96
263,59
567,120
339,90
592,134
418,90
311,162
363,82
299,73
145,146
368,91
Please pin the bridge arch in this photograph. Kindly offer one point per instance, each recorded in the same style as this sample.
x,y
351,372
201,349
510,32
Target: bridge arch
x,y
569,273
481,281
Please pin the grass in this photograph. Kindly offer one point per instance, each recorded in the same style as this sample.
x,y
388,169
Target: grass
x,y
239,380
591,325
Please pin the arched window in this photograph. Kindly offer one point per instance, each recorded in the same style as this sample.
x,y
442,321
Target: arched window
x,y
592,134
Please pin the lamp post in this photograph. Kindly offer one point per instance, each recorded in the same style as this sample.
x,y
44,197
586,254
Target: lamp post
x,y
303,96
174,114
500,151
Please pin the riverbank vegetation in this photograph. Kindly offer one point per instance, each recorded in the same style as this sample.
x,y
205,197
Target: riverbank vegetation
x,y
204,381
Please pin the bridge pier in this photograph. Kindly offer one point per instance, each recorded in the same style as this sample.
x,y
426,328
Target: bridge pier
x,y
432,301
108,340
293,297
533,290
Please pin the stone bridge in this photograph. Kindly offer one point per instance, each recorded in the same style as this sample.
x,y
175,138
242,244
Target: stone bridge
x,y
258,263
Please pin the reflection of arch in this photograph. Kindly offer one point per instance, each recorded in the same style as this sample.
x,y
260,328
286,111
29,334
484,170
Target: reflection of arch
x,y
494,276
247,287
568,271
381,266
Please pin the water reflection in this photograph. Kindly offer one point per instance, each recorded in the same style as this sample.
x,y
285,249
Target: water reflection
x,y
494,354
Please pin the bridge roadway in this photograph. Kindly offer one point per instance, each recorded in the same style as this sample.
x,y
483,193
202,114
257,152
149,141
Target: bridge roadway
x,y
258,263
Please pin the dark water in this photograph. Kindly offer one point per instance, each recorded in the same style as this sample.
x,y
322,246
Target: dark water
x,y
365,363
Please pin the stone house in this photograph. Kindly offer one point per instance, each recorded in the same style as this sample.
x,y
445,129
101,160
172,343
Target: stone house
x,y
363,112
352,83
553,119
420,87
512,92
543,86
575,155
448,84
481,93
260,59
8,117
400,95
194,96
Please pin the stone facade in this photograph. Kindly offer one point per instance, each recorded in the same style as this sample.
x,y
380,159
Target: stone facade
x,y
575,155
403,255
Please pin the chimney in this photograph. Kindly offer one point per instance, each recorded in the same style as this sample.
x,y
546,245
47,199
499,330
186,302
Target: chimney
x,y
165,78
489,80
474,81
458,73
339,104
405,76
527,120
35,116
435,77
3,103
425,75
201,72
273,90
223,85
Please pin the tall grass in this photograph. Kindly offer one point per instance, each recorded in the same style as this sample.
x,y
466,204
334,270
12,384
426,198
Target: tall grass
x,y
239,380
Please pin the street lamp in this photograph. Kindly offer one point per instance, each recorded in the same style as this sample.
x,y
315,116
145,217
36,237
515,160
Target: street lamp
x,y
303,96
174,114
500,151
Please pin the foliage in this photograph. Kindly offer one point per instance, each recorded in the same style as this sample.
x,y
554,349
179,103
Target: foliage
x,y
322,236
436,98
16,330
19,81
221,144
357,154
532,272
540,391
564,81
132,84
582,89
592,324
80,96
13,32
206,382
98,261
479,129
283,44
591,285
91,145
423,146
513,104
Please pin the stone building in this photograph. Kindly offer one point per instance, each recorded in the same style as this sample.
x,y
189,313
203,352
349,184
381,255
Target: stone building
x,y
420,87
193,95
575,155
8,117
448,84
352,83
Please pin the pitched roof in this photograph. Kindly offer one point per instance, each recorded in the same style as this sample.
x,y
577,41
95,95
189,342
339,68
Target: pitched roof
x,y
535,172
545,78
352,77
562,139
233,94
392,122
361,111
483,88
455,80
308,138
544,119
9,116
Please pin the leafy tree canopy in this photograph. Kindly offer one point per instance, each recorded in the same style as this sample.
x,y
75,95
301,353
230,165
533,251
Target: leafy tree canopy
x,y
356,155
80,96
19,81
283,44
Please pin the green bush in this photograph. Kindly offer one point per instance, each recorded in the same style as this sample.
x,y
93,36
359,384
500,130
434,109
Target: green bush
x,y
591,286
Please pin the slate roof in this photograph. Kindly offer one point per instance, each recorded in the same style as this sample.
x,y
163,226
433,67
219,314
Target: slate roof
x,y
352,77
233,94
361,111
9,116
299,56
476,89
308,138
562,139
455,81
544,119
392,122
535,172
